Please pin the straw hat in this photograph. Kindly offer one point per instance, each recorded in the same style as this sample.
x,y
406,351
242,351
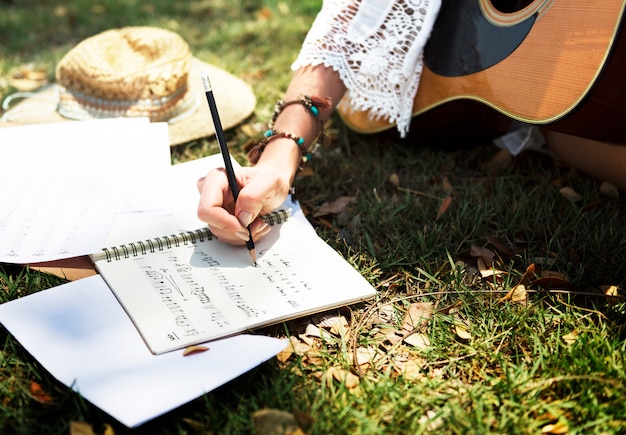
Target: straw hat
x,y
136,71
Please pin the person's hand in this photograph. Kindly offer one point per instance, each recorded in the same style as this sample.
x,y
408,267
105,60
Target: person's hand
x,y
262,189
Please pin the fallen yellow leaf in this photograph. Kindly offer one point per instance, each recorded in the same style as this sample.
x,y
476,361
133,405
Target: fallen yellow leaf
x,y
190,350
558,428
412,370
419,341
286,353
275,422
516,294
365,355
349,379
462,332
570,338
418,315
82,428
570,194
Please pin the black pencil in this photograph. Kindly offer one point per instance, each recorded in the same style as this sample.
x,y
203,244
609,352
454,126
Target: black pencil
x,y
228,165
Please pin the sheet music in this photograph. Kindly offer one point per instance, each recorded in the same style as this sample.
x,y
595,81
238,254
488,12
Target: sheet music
x,y
63,183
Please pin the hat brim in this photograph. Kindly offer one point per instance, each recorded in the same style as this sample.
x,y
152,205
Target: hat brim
x,y
235,100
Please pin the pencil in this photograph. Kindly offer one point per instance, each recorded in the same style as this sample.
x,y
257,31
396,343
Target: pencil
x,y
228,165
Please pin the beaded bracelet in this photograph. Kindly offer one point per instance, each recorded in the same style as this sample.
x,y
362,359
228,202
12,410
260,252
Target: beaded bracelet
x,y
255,153
311,103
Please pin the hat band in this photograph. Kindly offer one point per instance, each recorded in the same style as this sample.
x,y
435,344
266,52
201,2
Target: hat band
x,y
76,105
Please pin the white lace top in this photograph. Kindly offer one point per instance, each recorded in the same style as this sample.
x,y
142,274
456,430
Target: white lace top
x,y
377,47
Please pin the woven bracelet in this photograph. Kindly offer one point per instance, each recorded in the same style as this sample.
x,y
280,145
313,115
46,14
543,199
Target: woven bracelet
x,y
255,153
313,104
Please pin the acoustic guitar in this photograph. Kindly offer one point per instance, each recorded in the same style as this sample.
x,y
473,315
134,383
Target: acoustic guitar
x,y
556,63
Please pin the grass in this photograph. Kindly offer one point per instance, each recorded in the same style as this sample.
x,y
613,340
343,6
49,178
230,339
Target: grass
x,y
552,362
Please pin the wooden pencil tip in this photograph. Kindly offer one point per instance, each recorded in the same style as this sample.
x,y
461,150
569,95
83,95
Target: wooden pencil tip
x,y
253,256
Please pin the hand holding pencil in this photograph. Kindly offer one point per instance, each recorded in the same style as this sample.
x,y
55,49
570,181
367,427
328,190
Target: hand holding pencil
x,y
262,188
228,165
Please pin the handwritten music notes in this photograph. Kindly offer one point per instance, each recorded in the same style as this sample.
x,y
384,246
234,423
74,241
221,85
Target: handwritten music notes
x,y
179,294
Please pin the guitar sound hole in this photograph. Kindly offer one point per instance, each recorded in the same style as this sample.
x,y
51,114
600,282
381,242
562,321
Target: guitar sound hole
x,y
508,6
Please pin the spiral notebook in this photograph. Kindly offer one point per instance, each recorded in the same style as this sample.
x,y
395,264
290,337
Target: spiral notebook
x,y
188,287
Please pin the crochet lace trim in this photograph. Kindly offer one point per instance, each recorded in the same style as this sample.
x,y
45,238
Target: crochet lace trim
x,y
377,48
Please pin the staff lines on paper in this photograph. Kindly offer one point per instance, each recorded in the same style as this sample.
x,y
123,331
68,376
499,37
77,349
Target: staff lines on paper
x,y
164,290
226,285
183,271
40,223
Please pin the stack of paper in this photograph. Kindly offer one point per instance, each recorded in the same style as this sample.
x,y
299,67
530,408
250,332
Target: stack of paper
x,y
64,187
63,184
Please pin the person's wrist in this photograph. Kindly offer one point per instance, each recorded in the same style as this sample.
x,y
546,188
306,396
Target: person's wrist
x,y
284,156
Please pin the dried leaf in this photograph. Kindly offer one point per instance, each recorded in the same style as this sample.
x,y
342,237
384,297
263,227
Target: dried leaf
x,y
384,314
570,194
486,271
190,350
570,338
419,341
82,428
444,206
462,332
505,250
366,355
394,181
335,207
551,279
412,370
342,375
275,422
38,393
486,254
609,191
610,290
265,13
528,275
558,428
313,331
304,420
308,340
286,353
394,337
418,315
336,325
314,358
431,421
516,294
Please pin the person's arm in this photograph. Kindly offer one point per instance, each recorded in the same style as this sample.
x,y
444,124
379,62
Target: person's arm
x,y
266,185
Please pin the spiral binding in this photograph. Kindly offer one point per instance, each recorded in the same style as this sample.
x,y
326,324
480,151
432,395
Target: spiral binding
x,y
157,244
276,217
162,243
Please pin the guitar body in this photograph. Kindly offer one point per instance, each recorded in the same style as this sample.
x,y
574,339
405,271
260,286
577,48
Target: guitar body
x,y
560,64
